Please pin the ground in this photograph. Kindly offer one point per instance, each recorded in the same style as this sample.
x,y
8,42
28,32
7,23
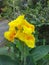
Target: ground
x,y
3,28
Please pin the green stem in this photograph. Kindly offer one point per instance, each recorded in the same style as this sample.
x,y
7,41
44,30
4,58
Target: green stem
x,y
24,57
44,41
24,60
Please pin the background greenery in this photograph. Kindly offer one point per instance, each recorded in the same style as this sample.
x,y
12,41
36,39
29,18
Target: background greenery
x,y
37,13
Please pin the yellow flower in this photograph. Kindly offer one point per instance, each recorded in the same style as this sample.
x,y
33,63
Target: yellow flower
x,y
20,28
10,35
29,40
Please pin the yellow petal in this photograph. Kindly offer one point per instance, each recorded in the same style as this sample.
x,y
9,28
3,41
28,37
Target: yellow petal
x,y
17,21
11,28
27,27
29,40
10,35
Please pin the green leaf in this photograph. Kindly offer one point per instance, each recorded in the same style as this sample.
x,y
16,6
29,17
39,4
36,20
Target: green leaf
x,y
7,51
3,50
44,61
40,52
6,60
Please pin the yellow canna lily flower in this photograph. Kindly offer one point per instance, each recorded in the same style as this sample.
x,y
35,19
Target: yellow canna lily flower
x,y
20,28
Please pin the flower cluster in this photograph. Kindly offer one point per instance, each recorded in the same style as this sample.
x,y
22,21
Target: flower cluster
x,y
20,28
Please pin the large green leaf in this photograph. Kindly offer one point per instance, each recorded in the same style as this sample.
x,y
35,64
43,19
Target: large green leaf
x,y
40,52
7,56
6,60
44,61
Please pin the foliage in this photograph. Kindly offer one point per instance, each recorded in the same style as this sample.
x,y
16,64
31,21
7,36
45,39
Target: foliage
x,y
37,13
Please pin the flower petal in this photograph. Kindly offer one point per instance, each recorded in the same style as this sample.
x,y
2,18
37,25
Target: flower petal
x,y
10,35
29,40
17,21
27,27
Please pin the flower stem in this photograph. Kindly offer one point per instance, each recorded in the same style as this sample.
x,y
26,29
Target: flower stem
x,y
24,57
44,41
24,60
